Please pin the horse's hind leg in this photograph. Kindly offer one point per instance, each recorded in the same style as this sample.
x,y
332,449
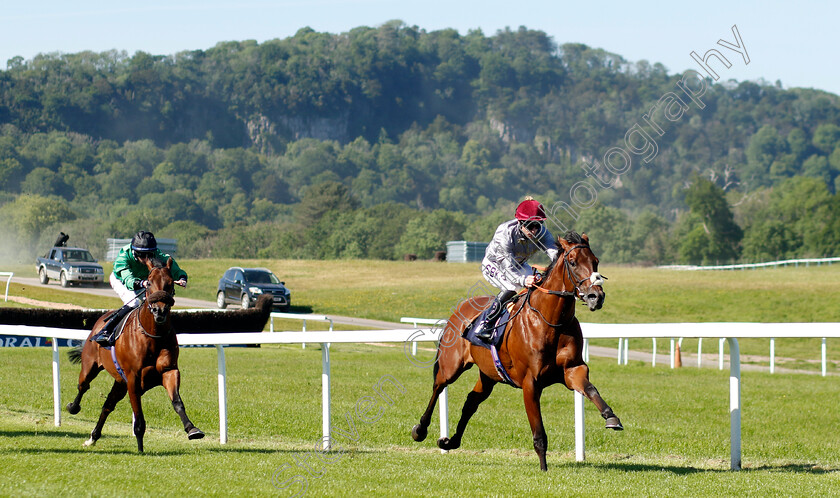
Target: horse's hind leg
x,y
577,378
447,370
531,393
117,393
172,382
90,369
481,391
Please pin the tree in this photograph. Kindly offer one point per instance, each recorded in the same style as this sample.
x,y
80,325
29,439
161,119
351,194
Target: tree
x,y
430,232
770,241
29,215
706,200
322,198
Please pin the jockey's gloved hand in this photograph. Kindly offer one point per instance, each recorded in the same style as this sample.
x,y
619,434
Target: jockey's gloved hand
x,y
140,284
182,282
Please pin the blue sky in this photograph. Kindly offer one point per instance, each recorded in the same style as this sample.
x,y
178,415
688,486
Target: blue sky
x,y
795,42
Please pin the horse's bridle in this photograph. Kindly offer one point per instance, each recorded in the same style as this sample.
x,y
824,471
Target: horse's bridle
x,y
594,278
155,297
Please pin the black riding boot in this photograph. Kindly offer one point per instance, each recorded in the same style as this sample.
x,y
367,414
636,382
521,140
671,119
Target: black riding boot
x,y
485,330
105,337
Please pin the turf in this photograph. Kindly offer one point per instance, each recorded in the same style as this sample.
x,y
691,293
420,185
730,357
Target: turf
x,y
676,440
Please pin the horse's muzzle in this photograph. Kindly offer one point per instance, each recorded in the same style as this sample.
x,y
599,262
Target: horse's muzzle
x,y
160,313
594,298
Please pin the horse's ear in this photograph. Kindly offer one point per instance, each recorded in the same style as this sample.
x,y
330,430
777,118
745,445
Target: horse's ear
x,y
585,237
169,263
150,264
561,242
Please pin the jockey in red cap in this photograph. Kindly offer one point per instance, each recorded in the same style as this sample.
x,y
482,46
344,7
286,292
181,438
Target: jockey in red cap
x,y
504,263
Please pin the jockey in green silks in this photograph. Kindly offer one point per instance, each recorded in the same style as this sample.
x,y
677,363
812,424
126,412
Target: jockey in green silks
x,y
129,277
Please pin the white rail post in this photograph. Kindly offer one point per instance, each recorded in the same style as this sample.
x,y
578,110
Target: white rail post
x,y
56,384
620,345
626,350
10,275
823,357
303,344
586,350
672,352
220,353
443,401
699,351
772,355
654,352
734,404
580,429
720,354
414,344
325,392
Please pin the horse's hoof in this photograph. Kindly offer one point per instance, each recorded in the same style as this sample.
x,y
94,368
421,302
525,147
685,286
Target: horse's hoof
x,y
445,443
614,424
195,433
73,409
90,442
419,433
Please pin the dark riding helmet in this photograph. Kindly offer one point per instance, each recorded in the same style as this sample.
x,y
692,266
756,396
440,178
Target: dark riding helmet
x,y
143,242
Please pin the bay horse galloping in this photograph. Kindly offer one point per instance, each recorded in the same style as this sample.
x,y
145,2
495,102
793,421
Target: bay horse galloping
x,y
542,345
144,356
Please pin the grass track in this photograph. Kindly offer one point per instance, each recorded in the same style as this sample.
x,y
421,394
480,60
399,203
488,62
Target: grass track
x,y
676,440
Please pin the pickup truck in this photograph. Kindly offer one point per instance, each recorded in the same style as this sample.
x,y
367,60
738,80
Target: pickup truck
x,y
69,264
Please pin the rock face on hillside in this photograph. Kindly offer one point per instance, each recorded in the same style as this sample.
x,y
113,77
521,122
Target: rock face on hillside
x,y
250,320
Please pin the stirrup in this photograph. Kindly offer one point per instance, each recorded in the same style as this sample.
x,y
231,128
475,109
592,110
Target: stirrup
x,y
103,338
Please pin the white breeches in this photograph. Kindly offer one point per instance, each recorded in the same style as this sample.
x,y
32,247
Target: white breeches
x,y
127,296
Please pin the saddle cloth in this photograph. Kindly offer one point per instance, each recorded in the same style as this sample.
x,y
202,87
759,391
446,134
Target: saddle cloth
x,y
498,331
120,326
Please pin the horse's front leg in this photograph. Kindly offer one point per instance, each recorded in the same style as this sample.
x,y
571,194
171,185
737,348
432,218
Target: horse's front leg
x,y
577,378
135,391
118,391
531,392
171,381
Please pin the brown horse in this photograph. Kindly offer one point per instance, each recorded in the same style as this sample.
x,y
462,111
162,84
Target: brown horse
x,y
147,355
543,345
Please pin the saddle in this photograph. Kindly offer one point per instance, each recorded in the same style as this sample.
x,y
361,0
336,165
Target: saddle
x,y
118,330
498,331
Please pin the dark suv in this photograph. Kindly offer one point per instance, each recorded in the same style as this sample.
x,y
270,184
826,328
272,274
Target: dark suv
x,y
244,285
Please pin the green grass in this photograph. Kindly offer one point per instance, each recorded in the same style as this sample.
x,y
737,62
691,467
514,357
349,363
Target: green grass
x,y
676,441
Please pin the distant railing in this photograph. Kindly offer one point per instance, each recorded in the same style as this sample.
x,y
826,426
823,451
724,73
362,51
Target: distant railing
x,y
10,275
753,266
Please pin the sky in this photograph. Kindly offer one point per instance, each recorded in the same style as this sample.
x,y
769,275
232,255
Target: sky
x,y
793,42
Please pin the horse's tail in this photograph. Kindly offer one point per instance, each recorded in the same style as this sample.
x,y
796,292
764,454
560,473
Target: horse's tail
x,y
75,353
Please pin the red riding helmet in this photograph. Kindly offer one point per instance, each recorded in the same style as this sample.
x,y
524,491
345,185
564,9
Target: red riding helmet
x,y
530,210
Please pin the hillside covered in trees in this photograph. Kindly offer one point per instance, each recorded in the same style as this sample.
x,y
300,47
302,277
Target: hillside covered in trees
x,y
391,140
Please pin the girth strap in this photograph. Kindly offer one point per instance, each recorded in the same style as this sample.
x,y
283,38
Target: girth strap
x,y
116,363
500,368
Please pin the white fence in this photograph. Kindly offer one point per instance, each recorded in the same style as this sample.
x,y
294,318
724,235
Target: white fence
x,y
753,266
729,331
624,347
